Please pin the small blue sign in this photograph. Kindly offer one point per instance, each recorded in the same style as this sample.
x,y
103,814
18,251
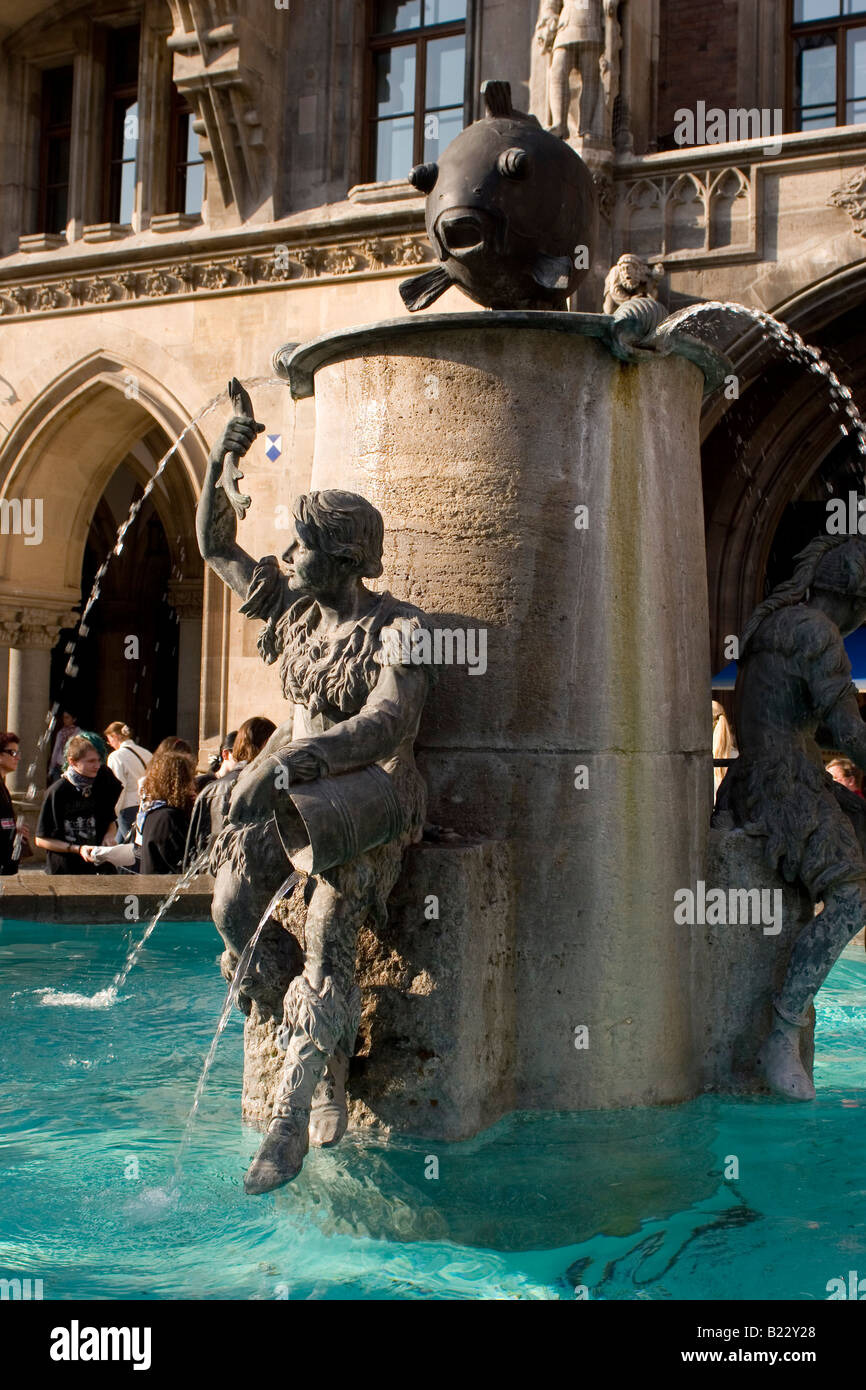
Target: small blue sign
x,y
274,446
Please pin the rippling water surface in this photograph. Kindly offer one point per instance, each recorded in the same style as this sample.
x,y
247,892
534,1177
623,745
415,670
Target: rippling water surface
x,y
629,1205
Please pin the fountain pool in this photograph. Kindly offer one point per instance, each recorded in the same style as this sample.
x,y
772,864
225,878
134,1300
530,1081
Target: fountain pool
x,y
629,1204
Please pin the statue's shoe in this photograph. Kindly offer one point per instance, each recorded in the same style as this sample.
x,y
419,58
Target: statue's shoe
x,y
329,1118
281,1155
780,1065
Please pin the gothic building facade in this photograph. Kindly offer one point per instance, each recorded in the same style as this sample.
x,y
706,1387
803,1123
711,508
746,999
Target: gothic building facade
x,y
186,185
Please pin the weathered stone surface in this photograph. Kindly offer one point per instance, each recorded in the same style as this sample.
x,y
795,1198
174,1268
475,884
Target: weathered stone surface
x,y
738,968
436,1048
477,443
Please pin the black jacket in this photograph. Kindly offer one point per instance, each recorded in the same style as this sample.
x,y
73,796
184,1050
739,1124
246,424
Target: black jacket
x,y
163,840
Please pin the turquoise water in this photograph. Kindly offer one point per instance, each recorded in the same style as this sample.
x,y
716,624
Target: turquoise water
x,y
630,1205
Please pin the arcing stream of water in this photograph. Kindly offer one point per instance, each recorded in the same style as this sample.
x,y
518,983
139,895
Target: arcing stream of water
x,y
231,996
105,998
71,670
794,347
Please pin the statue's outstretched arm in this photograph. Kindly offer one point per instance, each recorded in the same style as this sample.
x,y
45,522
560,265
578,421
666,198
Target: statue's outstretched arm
x,y
848,729
216,522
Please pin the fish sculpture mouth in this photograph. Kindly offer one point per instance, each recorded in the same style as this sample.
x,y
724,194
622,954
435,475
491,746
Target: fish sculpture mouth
x,y
462,232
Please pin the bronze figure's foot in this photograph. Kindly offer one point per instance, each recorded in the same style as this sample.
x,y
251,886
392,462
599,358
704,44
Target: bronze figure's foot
x,y
779,1063
329,1119
281,1154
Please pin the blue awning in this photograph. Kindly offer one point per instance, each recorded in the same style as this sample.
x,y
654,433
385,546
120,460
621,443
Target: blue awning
x,y
855,646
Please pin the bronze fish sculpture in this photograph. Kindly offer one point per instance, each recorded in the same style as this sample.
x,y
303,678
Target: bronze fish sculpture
x,y
511,213
231,473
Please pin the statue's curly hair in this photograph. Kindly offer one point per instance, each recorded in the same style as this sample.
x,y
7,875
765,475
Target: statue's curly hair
x,y
343,525
836,564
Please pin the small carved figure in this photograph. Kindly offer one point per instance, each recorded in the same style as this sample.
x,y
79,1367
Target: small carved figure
x,y
511,214
335,791
582,36
631,277
793,687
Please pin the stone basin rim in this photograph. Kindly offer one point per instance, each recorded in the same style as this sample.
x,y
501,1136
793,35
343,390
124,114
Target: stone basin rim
x,y
297,363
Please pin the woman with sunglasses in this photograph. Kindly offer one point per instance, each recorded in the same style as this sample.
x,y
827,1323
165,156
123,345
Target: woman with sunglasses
x,y
14,839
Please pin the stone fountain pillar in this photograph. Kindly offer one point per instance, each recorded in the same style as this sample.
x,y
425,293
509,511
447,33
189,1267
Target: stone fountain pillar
x,y
537,488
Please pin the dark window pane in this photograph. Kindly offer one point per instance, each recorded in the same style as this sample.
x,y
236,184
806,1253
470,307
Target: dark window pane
x,y
57,95
394,140
815,70
440,128
56,201
444,11
395,81
446,59
806,10
57,161
123,57
394,15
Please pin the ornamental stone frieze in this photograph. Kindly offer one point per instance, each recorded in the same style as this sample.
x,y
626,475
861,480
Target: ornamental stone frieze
x,y
277,264
34,627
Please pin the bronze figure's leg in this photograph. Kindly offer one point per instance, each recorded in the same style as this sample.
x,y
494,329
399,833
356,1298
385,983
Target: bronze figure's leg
x,y
816,951
321,1010
242,891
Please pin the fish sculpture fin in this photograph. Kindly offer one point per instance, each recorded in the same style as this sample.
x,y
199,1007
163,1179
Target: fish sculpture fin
x,y
424,289
497,97
553,272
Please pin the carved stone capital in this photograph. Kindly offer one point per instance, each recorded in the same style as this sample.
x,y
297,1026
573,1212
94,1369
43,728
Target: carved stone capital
x,y
186,597
34,627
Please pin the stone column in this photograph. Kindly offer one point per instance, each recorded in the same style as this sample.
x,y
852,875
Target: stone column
x,y
535,487
31,632
185,597
4,682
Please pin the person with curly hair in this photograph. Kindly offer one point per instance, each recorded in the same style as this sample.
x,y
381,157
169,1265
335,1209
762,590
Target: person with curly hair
x,y
162,822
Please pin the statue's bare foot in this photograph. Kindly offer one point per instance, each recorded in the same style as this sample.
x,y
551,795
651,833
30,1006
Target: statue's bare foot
x,y
329,1118
281,1154
779,1063
561,129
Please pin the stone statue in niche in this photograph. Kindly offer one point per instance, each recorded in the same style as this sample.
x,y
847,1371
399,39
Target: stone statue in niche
x,y
580,36
794,687
511,214
335,793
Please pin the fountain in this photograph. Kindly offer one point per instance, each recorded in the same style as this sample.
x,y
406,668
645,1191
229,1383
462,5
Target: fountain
x,y
537,475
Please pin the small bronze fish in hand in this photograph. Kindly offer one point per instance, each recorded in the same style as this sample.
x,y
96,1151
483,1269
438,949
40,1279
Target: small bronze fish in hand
x,y
231,474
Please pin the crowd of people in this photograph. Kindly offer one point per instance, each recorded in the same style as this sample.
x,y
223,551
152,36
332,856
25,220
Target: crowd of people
x,y
113,806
